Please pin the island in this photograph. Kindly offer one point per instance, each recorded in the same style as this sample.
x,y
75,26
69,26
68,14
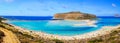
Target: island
x,y
73,16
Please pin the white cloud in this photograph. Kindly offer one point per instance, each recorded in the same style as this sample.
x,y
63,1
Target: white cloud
x,y
114,5
8,0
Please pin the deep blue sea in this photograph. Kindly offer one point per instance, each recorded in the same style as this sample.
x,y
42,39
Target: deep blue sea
x,y
60,27
28,17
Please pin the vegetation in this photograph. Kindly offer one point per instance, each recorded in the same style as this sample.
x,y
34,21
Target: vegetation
x,y
57,41
113,37
97,40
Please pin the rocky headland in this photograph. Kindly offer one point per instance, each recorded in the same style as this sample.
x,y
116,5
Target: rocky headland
x,y
74,16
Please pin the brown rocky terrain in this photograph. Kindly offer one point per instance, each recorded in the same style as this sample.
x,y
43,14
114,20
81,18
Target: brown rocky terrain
x,y
1,36
74,16
9,37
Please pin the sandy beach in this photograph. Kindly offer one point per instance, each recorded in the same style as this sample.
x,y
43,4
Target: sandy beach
x,y
103,31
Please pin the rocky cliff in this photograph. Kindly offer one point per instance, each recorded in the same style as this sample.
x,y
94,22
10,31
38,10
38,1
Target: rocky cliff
x,y
74,16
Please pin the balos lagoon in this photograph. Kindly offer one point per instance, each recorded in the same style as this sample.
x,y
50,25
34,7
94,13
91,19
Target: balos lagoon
x,y
59,21
69,28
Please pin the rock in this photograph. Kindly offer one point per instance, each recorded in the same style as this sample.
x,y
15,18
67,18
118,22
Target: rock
x,y
1,36
74,16
2,19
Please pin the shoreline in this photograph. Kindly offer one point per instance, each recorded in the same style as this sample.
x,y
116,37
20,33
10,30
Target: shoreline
x,y
103,31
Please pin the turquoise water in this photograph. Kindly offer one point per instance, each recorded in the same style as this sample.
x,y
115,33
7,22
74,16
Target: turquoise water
x,y
65,28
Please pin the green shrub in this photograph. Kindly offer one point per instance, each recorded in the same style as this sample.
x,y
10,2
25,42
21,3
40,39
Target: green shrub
x,y
114,32
112,37
94,41
40,41
119,28
57,41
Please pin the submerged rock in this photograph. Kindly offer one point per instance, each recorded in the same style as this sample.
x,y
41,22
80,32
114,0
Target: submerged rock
x,y
74,16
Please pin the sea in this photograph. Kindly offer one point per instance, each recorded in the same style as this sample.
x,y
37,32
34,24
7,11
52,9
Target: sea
x,y
60,27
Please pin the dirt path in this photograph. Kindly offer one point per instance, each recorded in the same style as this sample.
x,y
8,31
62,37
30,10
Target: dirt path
x,y
9,36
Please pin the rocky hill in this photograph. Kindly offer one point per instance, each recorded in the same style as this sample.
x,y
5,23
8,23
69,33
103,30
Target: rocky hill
x,y
74,16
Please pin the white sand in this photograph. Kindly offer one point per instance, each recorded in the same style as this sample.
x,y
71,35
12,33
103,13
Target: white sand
x,y
73,23
104,30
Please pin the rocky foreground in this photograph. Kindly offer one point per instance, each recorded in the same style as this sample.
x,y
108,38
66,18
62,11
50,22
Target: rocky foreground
x,y
74,16
1,36
9,37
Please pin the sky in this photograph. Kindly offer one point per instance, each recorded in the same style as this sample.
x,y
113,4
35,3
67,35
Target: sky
x,y
51,7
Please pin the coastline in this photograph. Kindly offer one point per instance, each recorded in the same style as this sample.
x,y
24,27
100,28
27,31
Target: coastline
x,y
103,31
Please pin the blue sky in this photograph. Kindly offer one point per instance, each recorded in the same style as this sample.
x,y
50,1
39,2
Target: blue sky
x,y
50,7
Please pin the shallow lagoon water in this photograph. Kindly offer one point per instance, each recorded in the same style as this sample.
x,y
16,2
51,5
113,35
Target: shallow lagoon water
x,y
63,27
